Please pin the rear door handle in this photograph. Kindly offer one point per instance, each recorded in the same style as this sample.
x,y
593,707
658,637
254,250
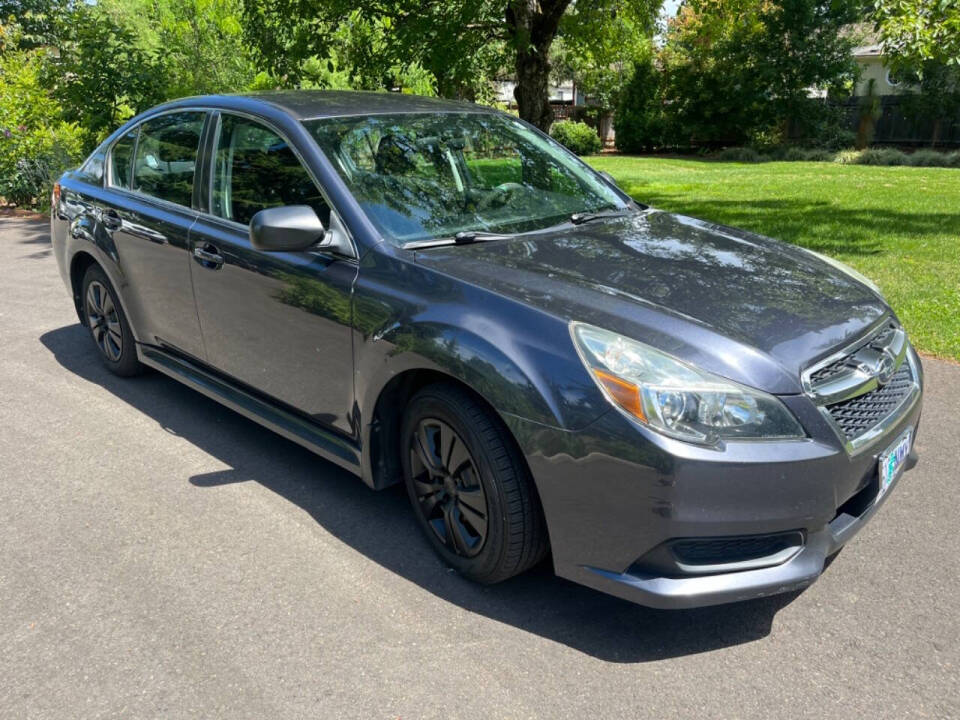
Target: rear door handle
x,y
208,256
111,219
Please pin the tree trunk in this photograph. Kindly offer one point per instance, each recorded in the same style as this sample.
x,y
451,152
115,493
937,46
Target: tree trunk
x,y
533,88
533,26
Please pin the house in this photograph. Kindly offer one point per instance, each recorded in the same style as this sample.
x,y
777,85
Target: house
x,y
880,110
873,68
563,94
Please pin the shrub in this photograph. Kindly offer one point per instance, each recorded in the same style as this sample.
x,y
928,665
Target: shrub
x,y
31,159
929,158
889,156
578,137
817,155
738,154
774,152
793,154
882,156
768,140
36,145
848,157
953,159
833,138
639,119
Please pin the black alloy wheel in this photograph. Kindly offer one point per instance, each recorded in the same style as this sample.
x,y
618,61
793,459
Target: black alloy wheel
x,y
108,326
469,485
447,484
103,320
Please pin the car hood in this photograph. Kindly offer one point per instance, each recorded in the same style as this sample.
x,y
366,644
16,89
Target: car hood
x,y
749,307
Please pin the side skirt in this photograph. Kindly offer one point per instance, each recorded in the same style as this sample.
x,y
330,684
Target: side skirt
x,y
326,444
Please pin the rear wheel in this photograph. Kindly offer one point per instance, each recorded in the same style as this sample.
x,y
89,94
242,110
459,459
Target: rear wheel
x,y
469,486
107,324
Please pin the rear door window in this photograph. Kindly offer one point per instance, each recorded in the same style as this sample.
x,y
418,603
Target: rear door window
x,y
166,157
92,170
121,158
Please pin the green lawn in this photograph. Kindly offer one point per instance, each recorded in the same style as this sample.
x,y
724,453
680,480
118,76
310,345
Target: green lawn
x,y
898,225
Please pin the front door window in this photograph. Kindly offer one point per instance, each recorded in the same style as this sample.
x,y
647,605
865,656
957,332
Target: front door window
x,y
254,169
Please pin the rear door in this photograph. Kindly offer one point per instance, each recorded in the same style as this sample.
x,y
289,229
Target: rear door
x,y
279,323
152,168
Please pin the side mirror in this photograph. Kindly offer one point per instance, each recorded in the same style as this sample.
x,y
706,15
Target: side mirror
x,y
285,229
608,177
296,227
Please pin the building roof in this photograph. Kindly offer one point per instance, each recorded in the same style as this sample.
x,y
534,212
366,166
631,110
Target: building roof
x,y
864,34
874,50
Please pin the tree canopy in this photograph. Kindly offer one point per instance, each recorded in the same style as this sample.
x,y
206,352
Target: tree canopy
x,y
736,69
461,43
918,31
921,40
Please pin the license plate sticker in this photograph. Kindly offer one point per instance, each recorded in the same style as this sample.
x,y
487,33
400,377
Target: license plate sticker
x,y
892,461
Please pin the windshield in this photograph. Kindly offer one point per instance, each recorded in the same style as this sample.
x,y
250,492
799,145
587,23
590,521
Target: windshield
x,y
426,176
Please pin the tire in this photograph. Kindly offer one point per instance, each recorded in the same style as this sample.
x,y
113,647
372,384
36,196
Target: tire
x,y
469,486
108,326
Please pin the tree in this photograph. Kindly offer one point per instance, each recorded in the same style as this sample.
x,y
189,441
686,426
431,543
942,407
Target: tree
x,y
598,47
356,57
531,27
917,31
935,95
921,40
103,75
35,20
640,118
742,70
374,45
199,43
462,43
36,145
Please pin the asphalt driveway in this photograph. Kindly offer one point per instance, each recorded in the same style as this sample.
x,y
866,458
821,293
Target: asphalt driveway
x,y
162,557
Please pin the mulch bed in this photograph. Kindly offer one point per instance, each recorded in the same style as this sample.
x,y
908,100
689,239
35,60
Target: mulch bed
x,y
11,211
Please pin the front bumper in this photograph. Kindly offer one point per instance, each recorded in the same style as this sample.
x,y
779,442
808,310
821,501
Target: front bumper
x,y
615,494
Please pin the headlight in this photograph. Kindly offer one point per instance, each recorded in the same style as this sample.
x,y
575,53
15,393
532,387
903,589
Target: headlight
x,y
677,399
846,269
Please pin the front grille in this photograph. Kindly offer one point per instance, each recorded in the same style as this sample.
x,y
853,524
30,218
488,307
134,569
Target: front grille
x,y
878,338
716,551
828,371
857,415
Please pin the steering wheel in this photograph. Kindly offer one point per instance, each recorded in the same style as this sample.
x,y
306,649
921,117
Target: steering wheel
x,y
499,195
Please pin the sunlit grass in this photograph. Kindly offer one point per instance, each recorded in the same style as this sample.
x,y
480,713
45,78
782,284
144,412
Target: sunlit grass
x,y
897,225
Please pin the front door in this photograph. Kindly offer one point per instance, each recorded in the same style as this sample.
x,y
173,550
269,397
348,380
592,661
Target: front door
x,y
278,322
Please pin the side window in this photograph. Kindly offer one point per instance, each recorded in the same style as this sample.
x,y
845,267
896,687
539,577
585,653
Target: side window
x,y
92,170
167,156
121,156
254,169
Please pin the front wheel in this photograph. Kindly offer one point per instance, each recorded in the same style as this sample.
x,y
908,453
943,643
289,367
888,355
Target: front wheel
x,y
469,486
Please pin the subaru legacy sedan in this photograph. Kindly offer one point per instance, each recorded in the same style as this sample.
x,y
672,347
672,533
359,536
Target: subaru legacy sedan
x,y
437,294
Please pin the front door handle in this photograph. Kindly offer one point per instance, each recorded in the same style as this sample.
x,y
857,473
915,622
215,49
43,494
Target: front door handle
x,y
208,256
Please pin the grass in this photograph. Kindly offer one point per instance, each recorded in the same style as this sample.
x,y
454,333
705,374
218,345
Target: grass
x,y
899,226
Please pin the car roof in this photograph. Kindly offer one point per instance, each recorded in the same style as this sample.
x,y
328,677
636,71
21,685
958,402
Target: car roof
x,y
310,104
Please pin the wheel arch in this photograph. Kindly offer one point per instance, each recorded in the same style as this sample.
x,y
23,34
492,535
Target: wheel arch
x,y
79,264
382,442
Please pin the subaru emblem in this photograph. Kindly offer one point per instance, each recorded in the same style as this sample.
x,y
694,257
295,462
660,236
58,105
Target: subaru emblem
x,y
885,367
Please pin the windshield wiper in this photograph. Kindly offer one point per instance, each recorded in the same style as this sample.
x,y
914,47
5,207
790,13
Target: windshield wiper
x,y
585,217
464,237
